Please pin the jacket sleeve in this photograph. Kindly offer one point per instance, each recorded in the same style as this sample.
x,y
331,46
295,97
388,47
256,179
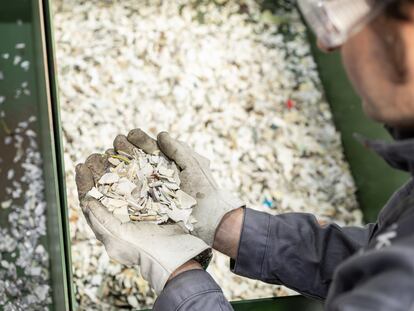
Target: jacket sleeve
x,y
294,250
377,280
193,290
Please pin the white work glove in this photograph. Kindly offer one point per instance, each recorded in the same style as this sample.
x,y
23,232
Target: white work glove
x,y
157,249
196,180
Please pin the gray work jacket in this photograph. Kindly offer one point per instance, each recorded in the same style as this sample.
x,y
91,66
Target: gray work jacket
x,y
350,268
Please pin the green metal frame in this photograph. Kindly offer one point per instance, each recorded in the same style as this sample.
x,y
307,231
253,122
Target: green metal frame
x,y
31,31
295,303
50,50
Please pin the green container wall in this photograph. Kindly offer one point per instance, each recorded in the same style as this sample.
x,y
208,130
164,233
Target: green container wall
x,y
366,167
23,21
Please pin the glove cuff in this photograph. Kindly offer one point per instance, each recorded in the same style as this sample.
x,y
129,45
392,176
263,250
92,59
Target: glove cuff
x,y
158,270
217,204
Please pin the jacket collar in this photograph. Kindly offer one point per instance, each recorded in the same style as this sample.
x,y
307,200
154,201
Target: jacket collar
x,y
399,153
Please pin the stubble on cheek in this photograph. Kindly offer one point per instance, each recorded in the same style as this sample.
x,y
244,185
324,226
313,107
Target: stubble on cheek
x,y
356,60
373,60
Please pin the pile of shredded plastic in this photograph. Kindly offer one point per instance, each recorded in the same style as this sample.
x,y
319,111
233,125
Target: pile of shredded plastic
x,y
24,261
144,187
233,79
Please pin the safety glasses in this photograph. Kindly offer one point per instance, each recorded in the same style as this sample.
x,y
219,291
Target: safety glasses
x,y
334,21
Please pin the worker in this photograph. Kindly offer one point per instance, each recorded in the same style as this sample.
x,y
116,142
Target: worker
x,y
349,268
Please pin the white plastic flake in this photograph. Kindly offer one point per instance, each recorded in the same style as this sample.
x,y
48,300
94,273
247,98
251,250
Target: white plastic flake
x,y
25,65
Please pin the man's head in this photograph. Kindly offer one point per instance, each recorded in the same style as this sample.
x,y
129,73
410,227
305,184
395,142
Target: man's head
x,y
379,59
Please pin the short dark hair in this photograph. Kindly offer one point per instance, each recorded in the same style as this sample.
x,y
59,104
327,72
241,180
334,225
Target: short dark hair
x,y
395,9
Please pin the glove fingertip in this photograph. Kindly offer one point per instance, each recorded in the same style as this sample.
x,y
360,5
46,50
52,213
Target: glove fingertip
x,y
92,158
78,168
174,150
142,140
165,143
97,164
163,135
84,180
121,143
110,151
136,134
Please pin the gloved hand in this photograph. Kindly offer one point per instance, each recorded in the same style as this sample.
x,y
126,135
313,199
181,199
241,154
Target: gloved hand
x,y
196,180
158,249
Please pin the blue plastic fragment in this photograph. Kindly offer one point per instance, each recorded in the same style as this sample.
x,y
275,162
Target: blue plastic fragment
x,y
268,203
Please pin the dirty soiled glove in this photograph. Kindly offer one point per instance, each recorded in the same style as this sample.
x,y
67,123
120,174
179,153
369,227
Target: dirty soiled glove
x,y
196,180
158,249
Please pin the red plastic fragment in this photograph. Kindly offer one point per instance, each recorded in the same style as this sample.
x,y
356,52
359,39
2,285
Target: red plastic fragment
x,y
290,104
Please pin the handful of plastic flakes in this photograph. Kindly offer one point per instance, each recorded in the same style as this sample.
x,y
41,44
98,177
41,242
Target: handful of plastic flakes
x,y
144,187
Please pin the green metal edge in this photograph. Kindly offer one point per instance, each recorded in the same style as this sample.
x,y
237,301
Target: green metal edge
x,y
54,220
29,14
279,304
53,84
289,303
